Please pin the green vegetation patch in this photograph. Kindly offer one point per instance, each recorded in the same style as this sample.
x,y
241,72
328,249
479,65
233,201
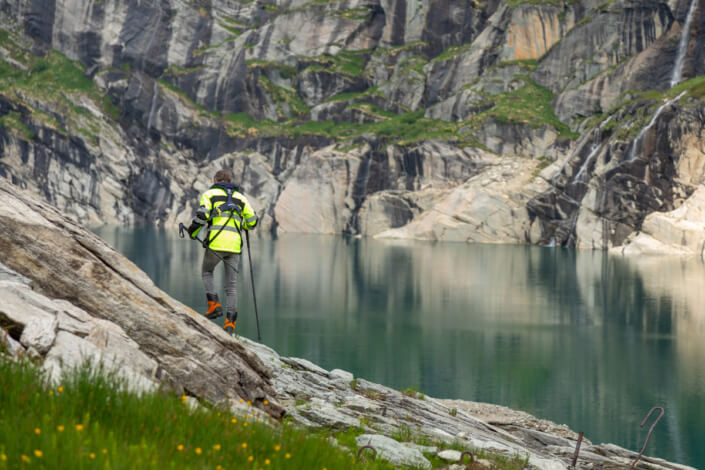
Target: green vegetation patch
x,y
52,80
234,30
353,14
396,128
90,420
283,95
285,71
529,105
350,63
452,51
13,122
413,64
182,94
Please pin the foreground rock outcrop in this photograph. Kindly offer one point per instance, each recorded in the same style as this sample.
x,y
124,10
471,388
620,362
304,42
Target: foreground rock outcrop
x,y
67,297
76,296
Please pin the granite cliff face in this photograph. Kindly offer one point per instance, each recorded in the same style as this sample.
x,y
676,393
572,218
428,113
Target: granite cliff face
x,y
566,122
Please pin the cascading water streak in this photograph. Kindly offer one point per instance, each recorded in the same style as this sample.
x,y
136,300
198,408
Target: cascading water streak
x,y
153,106
642,133
594,150
683,46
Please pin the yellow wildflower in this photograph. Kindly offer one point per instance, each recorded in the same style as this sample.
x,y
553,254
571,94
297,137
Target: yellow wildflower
x,y
25,458
180,447
216,447
198,450
219,467
266,402
105,451
51,393
60,389
242,401
38,453
287,455
79,427
233,421
244,445
244,424
60,428
249,402
3,457
266,461
277,447
37,431
184,398
250,458
91,455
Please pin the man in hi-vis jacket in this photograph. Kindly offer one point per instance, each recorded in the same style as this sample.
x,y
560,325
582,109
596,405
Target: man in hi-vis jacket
x,y
225,212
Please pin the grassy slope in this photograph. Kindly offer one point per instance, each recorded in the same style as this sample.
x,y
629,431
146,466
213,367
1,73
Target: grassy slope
x,y
49,87
90,420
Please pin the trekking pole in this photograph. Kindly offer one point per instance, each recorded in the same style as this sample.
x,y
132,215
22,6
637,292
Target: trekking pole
x,y
182,227
252,278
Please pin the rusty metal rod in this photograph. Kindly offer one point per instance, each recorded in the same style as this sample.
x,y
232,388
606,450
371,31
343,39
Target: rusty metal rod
x,y
374,451
648,436
577,449
472,458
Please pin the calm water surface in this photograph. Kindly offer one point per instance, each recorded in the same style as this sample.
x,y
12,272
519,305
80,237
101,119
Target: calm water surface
x,y
577,337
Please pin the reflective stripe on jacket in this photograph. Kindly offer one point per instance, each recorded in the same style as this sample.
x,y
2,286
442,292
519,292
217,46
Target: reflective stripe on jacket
x,y
244,217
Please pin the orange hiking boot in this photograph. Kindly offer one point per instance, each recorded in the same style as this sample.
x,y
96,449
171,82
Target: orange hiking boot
x,y
214,308
230,321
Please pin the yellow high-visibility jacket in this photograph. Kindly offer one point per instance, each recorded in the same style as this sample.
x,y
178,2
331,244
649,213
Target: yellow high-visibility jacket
x,y
242,218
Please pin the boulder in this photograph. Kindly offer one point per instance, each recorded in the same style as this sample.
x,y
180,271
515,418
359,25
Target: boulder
x,y
678,232
393,451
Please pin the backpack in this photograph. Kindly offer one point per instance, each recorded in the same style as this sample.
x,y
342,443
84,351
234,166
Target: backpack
x,y
230,206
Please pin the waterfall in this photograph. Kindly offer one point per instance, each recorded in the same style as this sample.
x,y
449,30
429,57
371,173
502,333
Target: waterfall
x,y
632,151
682,46
593,153
594,149
153,106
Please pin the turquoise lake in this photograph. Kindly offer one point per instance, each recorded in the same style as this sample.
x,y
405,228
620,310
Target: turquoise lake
x,y
581,338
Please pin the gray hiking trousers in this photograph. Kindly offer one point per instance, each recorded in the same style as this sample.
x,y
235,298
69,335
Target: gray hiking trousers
x,y
210,261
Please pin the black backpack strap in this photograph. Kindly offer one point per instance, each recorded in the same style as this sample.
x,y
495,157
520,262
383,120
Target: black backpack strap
x,y
230,207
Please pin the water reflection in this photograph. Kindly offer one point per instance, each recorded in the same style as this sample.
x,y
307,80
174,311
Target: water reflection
x,y
580,338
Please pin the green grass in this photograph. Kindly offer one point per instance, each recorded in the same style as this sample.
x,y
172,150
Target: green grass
x,y
54,73
283,95
52,80
91,421
349,63
13,122
285,71
413,393
451,52
529,105
398,128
